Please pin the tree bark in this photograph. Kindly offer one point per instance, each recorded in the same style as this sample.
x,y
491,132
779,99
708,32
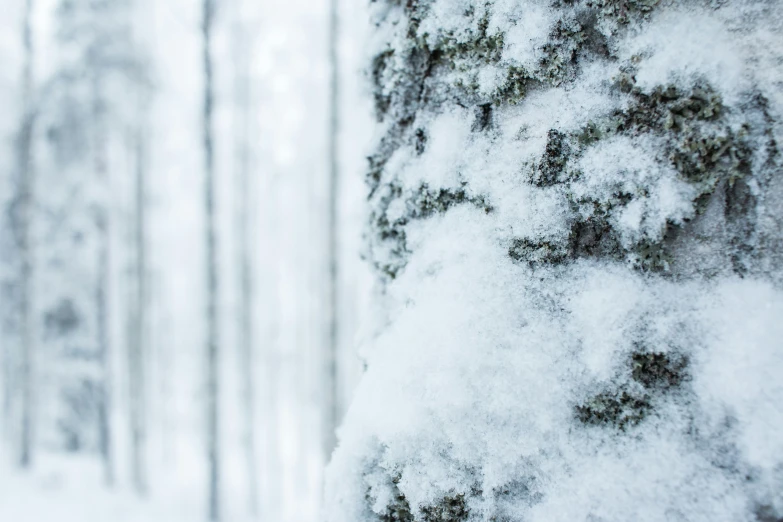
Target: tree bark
x,y
212,349
574,218
103,277
24,208
137,376
332,409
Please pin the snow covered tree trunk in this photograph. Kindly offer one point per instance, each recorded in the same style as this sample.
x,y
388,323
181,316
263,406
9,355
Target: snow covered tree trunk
x,y
137,376
576,215
212,352
331,410
84,107
22,222
138,355
103,276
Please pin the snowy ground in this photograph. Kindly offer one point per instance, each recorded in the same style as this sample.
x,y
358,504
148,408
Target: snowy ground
x,y
71,489
52,496
63,491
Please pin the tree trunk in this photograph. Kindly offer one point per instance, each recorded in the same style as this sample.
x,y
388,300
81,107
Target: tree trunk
x,y
137,376
332,410
575,216
23,224
103,278
212,352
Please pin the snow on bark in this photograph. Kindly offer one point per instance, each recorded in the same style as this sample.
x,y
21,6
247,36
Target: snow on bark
x,y
575,215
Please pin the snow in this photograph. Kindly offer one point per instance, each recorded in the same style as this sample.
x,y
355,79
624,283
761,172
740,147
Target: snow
x,y
446,17
740,368
628,165
526,28
476,374
71,489
680,45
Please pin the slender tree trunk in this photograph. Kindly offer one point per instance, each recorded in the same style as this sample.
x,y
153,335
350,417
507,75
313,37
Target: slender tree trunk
x,y
332,409
247,355
274,384
243,113
8,386
23,224
102,297
136,352
103,279
213,433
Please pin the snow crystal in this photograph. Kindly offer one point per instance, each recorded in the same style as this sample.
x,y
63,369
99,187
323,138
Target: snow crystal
x,y
625,165
681,45
525,32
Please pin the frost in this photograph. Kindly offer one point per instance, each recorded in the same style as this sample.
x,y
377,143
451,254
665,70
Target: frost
x,y
526,33
439,163
447,17
682,45
627,166
740,364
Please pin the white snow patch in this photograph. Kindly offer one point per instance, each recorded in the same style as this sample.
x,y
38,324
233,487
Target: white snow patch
x,y
526,30
627,166
681,46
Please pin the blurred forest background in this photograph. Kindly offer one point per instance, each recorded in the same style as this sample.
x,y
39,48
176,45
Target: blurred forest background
x,y
182,207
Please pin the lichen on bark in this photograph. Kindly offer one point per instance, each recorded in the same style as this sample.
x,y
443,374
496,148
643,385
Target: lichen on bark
x,y
653,375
